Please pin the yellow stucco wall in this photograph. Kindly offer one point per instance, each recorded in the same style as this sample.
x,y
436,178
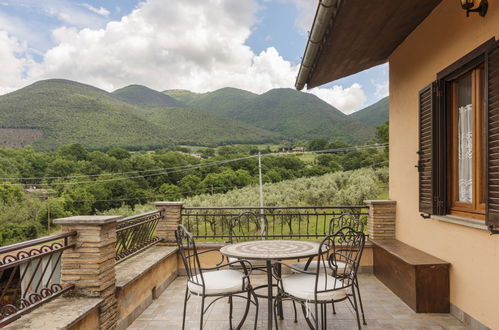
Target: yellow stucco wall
x,y
445,36
90,321
136,293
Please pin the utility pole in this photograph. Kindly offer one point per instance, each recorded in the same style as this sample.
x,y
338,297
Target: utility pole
x,y
49,220
262,215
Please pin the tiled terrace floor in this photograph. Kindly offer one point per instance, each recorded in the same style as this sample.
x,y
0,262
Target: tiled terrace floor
x,y
383,310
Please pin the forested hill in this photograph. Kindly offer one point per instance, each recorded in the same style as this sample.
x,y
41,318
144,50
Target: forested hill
x,y
53,112
198,127
294,114
373,115
143,96
222,102
64,111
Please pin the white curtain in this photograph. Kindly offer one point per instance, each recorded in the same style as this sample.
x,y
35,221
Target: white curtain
x,y
465,146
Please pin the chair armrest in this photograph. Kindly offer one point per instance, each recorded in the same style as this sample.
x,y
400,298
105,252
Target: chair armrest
x,y
214,250
280,263
246,265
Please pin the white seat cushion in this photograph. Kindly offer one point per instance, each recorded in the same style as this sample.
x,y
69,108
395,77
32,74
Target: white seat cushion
x,y
218,282
303,285
312,267
254,262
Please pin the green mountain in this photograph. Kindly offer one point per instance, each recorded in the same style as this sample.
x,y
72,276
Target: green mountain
x,y
373,115
293,114
64,111
54,112
221,102
145,97
198,127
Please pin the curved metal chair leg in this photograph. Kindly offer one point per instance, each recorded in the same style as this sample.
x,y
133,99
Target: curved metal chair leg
x,y
256,306
202,314
356,283
325,316
296,313
316,316
275,312
239,326
306,318
334,309
185,306
230,312
356,307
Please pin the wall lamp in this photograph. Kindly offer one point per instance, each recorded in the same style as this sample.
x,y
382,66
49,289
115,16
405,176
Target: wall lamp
x,y
469,4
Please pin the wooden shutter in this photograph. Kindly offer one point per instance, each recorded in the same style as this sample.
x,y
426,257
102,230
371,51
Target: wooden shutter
x,y
492,120
432,155
425,162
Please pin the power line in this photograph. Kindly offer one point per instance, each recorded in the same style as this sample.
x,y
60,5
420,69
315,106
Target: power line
x,y
160,196
131,172
189,191
183,168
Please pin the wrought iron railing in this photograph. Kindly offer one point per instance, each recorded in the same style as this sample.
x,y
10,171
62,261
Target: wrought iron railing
x,y
30,275
136,233
287,222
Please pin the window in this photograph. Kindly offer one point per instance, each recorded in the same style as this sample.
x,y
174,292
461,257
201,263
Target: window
x,y
466,166
459,139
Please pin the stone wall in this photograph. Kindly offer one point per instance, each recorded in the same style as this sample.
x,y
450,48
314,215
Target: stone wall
x,y
381,219
141,279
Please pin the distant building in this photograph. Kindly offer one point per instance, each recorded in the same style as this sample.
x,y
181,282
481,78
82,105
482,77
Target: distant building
x,y
298,149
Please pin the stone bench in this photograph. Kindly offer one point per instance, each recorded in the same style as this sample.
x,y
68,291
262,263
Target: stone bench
x,y
419,279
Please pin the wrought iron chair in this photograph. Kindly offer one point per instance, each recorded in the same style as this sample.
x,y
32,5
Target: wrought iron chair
x,y
319,287
213,281
336,223
247,226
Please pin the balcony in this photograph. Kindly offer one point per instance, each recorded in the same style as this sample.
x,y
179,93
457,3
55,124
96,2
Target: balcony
x,y
383,310
125,272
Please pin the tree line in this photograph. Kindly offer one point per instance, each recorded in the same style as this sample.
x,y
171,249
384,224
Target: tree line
x,y
36,186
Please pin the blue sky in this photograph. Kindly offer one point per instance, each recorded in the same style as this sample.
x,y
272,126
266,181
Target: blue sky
x,y
199,45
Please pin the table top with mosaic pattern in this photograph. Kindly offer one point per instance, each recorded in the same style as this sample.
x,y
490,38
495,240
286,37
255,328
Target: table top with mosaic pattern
x,y
271,249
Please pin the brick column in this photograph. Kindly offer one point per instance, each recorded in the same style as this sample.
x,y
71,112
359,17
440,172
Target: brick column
x,y
172,217
90,266
381,219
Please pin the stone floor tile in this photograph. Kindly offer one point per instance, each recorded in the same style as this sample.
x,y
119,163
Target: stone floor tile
x,y
383,310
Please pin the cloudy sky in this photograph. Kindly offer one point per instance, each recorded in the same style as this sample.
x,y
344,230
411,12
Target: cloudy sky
x,y
200,45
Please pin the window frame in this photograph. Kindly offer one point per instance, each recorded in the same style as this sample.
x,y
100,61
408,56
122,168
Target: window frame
x,y
443,127
475,209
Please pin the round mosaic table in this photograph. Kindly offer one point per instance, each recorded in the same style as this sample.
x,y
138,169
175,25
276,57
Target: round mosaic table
x,y
271,250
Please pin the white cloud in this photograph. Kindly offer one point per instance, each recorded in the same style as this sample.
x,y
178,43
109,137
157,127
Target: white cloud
x,y
67,11
196,44
14,63
348,100
99,11
381,88
305,13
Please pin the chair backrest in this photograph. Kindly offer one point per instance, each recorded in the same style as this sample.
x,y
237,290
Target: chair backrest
x,y
188,252
246,226
344,219
341,253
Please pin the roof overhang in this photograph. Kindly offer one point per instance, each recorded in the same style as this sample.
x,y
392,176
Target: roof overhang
x,y
349,36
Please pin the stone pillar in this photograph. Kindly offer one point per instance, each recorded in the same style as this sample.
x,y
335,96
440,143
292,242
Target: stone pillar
x,y
172,217
381,219
90,266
